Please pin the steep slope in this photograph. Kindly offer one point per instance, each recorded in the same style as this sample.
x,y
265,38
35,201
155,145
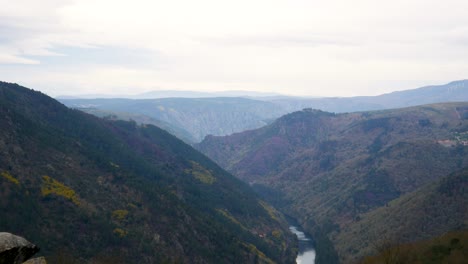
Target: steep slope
x,y
142,119
111,191
328,169
448,248
430,211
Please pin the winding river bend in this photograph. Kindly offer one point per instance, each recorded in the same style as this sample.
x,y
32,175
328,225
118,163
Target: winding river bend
x,y
306,249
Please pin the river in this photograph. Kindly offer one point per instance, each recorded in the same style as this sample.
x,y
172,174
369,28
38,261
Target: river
x,y
306,248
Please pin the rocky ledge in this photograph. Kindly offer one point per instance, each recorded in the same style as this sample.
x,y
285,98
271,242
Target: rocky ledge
x,y
17,250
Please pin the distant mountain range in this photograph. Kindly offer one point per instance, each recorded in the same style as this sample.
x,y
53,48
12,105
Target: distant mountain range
x,y
90,190
355,180
176,94
198,116
456,91
226,115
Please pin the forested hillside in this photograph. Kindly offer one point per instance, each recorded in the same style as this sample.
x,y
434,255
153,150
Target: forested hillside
x,y
428,212
84,189
331,170
448,248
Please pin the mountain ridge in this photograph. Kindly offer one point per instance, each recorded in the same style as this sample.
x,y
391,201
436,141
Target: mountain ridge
x,y
159,94
88,189
327,169
221,116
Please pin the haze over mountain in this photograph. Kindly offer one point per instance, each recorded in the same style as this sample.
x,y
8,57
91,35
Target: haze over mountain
x,y
175,94
337,173
141,119
86,189
198,116
456,91
224,116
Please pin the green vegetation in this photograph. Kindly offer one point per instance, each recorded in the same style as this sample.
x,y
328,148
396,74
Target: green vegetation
x,y
430,211
136,201
461,136
448,248
341,174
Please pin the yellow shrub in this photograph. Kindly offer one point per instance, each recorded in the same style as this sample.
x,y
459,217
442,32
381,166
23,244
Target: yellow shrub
x,y
262,257
120,214
8,176
226,214
276,233
200,173
269,209
120,232
52,186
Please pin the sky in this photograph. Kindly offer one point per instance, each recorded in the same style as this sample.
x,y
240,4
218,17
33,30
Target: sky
x,y
294,47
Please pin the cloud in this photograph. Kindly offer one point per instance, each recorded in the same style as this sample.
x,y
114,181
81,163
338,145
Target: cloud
x,y
285,40
7,58
312,47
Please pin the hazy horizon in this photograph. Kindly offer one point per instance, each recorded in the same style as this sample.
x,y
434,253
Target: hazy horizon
x,y
207,94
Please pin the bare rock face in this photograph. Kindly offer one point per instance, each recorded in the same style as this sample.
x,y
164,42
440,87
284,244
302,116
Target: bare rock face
x,y
15,249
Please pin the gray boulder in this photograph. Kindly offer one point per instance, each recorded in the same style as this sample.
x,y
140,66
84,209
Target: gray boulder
x,y
40,260
15,249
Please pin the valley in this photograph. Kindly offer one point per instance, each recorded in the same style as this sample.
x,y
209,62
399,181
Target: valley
x,y
339,173
88,190
233,132
353,181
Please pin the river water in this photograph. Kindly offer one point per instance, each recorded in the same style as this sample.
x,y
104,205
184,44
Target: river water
x,y
306,248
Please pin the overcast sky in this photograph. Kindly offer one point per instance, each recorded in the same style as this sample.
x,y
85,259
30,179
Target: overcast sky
x,y
318,48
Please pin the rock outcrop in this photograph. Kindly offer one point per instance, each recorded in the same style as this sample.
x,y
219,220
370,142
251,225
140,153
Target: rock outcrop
x,y
39,260
15,249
